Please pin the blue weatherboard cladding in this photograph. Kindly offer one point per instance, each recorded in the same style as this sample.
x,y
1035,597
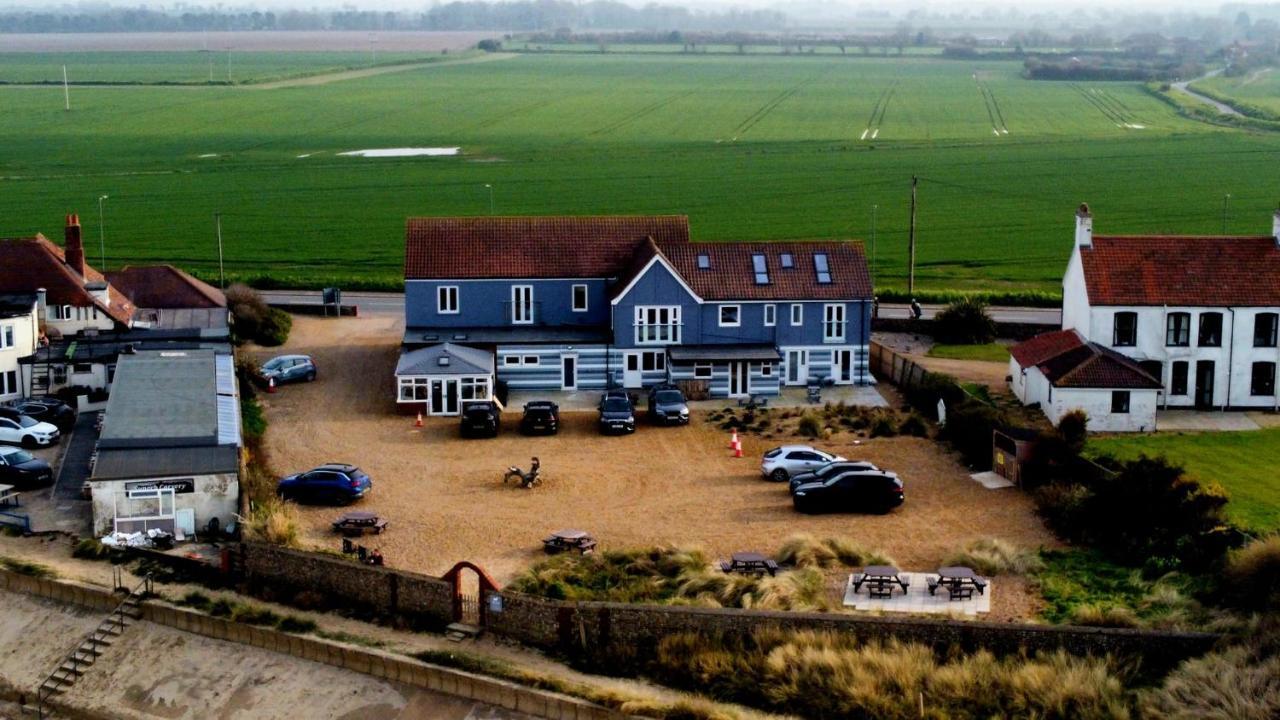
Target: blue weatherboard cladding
x,y
593,364
487,303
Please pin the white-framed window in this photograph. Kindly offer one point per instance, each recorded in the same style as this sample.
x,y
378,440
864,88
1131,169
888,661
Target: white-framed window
x,y
730,315
521,304
657,324
833,323
702,370
651,360
770,315
473,388
447,299
9,382
414,389
766,369
59,312
6,337
797,314
579,298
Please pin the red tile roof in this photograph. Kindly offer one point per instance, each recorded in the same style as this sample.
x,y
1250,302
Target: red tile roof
x,y
1182,270
164,287
28,264
731,275
1068,361
531,247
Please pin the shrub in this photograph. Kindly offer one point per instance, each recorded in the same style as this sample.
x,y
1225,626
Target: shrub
x,y
273,521
810,425
196,600
883,426
275,327
805,551
1233,683
924,395
1073,427
23,567
250,615
992,556
1253,574
965,322
90,549
969,429
1112,616
221,608
295,624
913,425
253,319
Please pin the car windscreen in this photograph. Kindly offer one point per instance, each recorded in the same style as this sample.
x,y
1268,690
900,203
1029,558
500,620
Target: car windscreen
x,y
539,413
19,457
274,364
669,397
773,453
617,405
25,421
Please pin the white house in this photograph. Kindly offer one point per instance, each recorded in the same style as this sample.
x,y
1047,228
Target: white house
x,y
1199,313
19,333
1061,371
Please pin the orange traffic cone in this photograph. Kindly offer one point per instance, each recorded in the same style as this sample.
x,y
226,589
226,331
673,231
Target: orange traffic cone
x,y
271,384
737,450
733,440
419,422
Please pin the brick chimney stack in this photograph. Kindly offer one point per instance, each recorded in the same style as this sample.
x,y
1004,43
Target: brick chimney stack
x,y
1084,227
74,246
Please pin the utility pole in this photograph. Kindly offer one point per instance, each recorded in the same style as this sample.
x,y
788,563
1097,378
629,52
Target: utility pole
x,y
102,234
66,89
490,197
911,248
1225,199
873,243
222,277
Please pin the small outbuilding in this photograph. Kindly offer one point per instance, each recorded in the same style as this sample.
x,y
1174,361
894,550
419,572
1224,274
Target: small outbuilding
x,y
168,457
439,379
1060,371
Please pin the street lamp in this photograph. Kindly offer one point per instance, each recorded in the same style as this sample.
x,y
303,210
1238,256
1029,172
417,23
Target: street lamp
x,y
102,236
490,187
1225,198
873,240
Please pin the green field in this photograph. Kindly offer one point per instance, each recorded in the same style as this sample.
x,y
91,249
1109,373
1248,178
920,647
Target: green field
x,y
991,352
188,68
748,147
1243,462
1260,89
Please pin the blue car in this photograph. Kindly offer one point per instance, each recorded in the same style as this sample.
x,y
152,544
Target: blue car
x,y
332,484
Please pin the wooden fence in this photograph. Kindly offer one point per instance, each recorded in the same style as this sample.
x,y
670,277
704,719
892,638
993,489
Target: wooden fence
x,y
898,369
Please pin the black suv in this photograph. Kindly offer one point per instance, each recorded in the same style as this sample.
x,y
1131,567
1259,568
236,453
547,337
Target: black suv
x,y
482,418
667,406
857,491
45,409
617,412
541,417
333,484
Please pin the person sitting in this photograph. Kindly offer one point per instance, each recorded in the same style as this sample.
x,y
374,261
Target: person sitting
x,y
917,312
375,557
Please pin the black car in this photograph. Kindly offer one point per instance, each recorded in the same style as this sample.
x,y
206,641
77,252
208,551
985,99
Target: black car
x,y
833,468
877,492
667,406
482,418
21,469
617,412
541,417
334,484
45,409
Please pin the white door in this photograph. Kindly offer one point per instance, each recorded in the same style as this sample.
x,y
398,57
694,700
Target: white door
x,y
444,397
797,367
184,519
842,366
521,304
569,372
631,376
739,379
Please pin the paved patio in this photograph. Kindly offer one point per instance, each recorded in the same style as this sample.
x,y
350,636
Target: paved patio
x,y
1198,420
917,599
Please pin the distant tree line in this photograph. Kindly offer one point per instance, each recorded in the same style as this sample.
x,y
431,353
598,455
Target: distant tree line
x,y
1098,67
518,16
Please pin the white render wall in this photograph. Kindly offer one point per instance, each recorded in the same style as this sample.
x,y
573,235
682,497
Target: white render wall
x,y
215,496
26,332
1031,386
82,318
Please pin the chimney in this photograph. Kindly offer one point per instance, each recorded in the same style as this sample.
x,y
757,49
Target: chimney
x,y
74,247
1275,226
1084,227
42,299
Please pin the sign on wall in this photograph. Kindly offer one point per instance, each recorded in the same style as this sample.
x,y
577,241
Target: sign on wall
x,y
179,486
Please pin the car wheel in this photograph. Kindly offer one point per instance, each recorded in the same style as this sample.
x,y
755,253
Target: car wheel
x,y
29,442
311,376
779,475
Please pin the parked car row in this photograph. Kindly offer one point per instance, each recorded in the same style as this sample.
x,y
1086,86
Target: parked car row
x,y
34,422
616,413
821,482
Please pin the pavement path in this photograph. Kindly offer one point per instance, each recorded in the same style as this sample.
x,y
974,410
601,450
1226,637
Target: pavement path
x,y
1183,87
384,302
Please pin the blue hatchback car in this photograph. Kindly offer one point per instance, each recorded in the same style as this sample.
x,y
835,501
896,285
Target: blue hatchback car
x,y
332,484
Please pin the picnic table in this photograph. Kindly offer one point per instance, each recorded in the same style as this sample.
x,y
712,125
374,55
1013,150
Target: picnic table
x,y
9,496
359,522
569,540
751,402
749,563
959,581
880,580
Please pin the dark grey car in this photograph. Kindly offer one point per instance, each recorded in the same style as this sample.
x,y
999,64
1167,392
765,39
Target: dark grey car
x,y
289,368
617,412
830,469
667,406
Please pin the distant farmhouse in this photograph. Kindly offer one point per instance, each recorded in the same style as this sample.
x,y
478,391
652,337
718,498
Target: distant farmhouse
x,y
585,303
1197,316
64,324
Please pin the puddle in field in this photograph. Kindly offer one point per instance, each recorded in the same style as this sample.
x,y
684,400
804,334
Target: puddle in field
x,y
404,152
208,155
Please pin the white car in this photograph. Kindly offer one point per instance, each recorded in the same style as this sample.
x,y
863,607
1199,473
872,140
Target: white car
x,y
782,463
22,430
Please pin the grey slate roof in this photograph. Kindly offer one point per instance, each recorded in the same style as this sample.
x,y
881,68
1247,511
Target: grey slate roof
x,y
445,359
126,464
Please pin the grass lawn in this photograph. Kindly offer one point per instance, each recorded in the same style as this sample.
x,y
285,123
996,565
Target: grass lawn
x,y
1073,579
991,352
1243,462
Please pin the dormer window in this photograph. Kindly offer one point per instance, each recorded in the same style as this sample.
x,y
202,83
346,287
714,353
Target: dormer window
x,y
761,269
823,269
787,260
704,262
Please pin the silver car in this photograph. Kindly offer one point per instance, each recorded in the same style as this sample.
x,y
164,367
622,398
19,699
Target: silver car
x,y
781,463
289,368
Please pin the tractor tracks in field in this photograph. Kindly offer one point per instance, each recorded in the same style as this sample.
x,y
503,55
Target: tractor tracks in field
x,y
876,121
772,104
1111,107
994,113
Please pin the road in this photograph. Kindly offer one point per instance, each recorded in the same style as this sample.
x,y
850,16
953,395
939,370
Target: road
x,y
1223,108
380,302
